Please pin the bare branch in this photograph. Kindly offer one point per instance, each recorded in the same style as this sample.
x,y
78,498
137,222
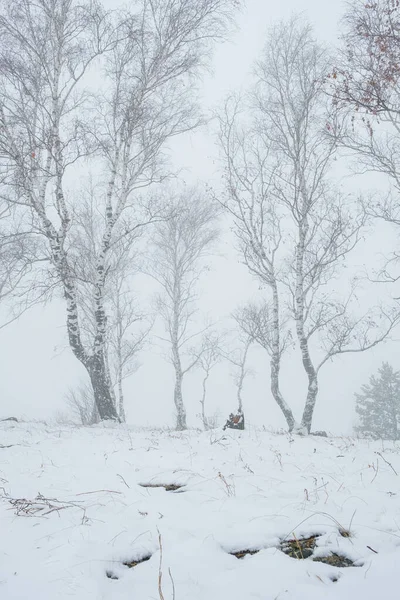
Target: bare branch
x,y
55,117
181,244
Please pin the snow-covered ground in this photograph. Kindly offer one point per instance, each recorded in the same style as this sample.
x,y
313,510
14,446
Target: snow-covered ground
x,y
242,490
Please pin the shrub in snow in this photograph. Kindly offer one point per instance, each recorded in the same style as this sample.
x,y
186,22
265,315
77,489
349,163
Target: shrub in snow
x,y
81,403
235,421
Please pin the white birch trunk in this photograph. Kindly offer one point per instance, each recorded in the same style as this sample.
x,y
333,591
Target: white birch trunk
x,y
312,391
121,405
203,402
275,362
178,398
176,358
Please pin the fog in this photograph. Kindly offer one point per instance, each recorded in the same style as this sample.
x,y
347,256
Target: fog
x,y
37,366
199,299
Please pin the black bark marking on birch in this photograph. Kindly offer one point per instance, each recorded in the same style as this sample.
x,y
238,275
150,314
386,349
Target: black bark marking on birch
x,y
97,370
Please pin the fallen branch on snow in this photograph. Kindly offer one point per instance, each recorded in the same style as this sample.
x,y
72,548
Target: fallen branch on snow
x,y
98,492
40,506
387,462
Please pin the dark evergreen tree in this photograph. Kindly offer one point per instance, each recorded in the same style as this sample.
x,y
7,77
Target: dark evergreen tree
x,y
378,405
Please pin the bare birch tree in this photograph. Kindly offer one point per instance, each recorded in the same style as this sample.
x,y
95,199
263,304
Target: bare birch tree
x,y
181,243
208,355
238,358
320,230
249,199
128,330
54,120
292,107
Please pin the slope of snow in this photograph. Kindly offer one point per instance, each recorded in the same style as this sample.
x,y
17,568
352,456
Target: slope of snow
x,y
86,514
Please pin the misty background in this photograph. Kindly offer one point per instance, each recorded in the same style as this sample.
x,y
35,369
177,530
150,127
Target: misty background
x,y
37,366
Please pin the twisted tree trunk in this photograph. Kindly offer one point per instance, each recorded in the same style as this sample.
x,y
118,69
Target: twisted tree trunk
x,y
103,396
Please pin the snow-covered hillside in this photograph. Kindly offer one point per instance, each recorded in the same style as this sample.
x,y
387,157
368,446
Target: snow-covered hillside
x,y
73,510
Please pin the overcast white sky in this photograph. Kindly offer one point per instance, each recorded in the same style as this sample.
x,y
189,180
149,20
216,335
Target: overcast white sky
x,y
37,367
